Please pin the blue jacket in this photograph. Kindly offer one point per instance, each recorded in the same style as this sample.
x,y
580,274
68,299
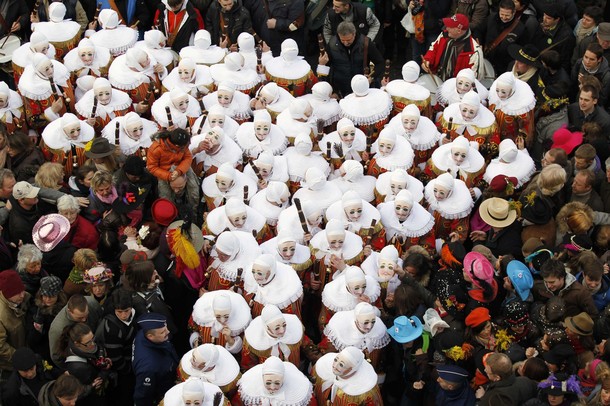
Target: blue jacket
x,y
602,297
155,368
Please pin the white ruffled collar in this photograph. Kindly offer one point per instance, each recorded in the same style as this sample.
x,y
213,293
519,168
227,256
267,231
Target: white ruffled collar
x,y
101,59
173,397
268,210
352,246
447,93
209,188
458,205
275,142
281,103
248,251
370,266
322,198
336,297
364,186
214,54
424,137
522,168
296,390
298,164
225,371
441,158
201,78
239,318
301,255
32,86
228,152
244,79
239,108
402,155
352,152
217,220
281,68
117,40
23,55
179,118
54,137
419,222
258,338
414,186
329,111
122,77
522,100
284,289
342,332
404,89
279,172
289,220
119,100
57,32
369,109
359,383
369,213
128,145
229,127
483,119
165,56
13,107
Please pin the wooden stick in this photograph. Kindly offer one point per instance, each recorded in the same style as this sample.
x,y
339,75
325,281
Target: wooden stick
x,y
94,109
235,286
257,171
246,200
168,113
386,72
302,219
117,133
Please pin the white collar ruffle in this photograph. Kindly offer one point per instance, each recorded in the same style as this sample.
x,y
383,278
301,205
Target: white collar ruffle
x,y
291,70
128,145
424,137
214,54
54,137
209,188
57,32
359,383
258,338
441,158
32,86
23,55
414,186
224,372
419,222
370,266
369,109
239,318
299,163
228,152
522,168
275,142
458,205
406,90
369,213
165,56
351,152
402,156
244,79
296,390
217,220
483,119
520,102
13,107
322,198
122,77
328,110
173,397
268,210
229,127
239,108
336,297
284,289
447,93
342,332
279,172
363,185
179,118
289,220
301,255
201,78
119,100
100,60
117,40
352,246
247,253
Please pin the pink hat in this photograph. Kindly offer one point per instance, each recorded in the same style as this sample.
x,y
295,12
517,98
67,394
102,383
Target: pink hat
x,y
479,268
49,230
567,140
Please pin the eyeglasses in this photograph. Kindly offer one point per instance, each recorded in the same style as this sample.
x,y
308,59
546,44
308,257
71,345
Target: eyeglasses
x,y
89,343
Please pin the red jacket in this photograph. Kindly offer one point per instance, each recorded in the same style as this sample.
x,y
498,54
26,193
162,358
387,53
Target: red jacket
x,y
472,57
83,234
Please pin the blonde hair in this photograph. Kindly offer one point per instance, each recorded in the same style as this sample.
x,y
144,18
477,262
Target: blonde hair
x,y
100,178
84,258
551,179
603,236
49,175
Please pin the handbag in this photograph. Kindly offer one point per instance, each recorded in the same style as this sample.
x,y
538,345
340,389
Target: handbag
x,y
407,23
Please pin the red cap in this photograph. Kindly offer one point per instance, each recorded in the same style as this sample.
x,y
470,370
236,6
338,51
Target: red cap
x,y
164,211
10,283
456,21
477,317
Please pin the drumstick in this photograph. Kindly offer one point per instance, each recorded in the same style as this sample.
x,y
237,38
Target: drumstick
x,y
168,112
449,128
149,93
328,149
257,172
117,131
386,73
320,128
302,219
94,109
246,194
235,286
369,235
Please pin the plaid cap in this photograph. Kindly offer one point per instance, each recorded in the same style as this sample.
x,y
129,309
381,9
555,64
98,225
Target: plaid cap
x,y
50,286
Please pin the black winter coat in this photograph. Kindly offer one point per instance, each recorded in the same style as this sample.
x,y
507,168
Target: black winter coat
x,y
237,20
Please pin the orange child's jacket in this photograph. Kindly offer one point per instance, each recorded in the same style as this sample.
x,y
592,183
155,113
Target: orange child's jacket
x,y
162,154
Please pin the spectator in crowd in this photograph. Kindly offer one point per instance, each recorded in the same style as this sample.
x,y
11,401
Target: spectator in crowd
x,y
14,303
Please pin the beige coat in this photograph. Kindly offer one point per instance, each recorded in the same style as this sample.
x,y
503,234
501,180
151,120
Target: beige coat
x,y
12,329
